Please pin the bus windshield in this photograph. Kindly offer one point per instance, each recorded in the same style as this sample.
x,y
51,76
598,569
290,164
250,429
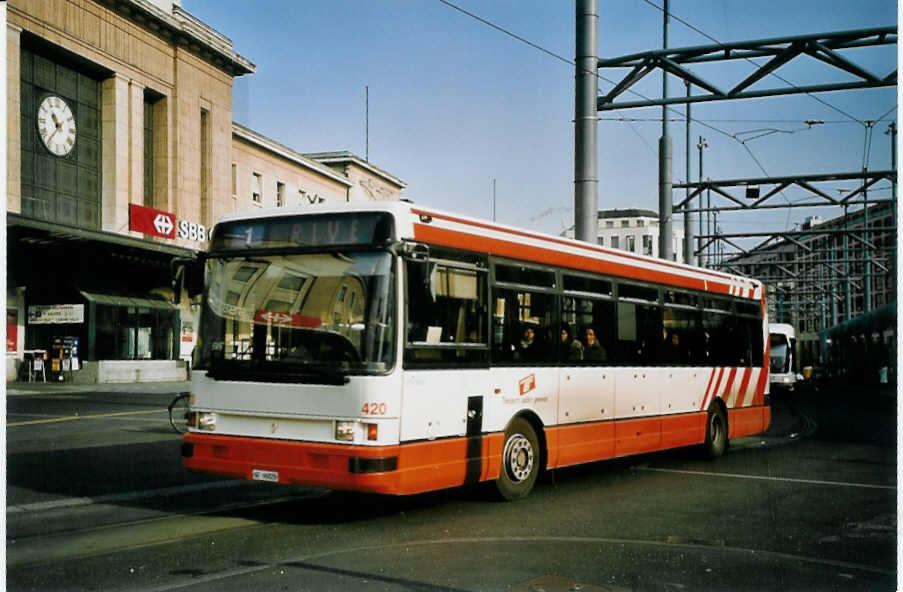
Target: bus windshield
x,y
313,317
780,358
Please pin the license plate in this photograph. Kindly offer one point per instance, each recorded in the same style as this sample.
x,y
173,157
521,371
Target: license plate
x,y
259,475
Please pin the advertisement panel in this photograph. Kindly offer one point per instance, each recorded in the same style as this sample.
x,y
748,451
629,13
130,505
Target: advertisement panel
x,y
56,314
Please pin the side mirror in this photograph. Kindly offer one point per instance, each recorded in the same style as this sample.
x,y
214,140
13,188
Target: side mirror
x,y
187,272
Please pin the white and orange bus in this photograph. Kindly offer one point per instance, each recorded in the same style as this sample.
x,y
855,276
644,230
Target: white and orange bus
x,y
398,349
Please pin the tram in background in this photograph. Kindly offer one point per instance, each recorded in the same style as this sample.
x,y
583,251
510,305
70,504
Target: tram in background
x,y
783,356
397,349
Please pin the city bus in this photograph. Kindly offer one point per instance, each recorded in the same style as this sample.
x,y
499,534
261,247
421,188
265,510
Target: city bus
x,y
782,344
397,349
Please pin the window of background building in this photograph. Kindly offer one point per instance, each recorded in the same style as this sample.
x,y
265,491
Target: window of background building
x,y
234,181
609,224
625,223
280,194
647,245
614,242
631,243
148,152
255,187
640,223
601,240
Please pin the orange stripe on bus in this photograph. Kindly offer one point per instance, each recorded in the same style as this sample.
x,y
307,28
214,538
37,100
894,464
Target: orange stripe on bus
x,y
746,421
727,387
439,464
760,387
705,397
461,240
744,384
566,243
714,392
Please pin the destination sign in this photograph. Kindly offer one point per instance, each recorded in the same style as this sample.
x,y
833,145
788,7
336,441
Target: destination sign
x,y
321,230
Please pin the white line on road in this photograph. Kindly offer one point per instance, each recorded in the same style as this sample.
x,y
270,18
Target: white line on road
x,y
764,478
113,498
80,417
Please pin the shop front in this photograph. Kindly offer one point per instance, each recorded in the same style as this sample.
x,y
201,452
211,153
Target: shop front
x,y
91,306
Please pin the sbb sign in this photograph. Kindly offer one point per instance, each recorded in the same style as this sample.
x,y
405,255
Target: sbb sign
x,y
191,231
163,224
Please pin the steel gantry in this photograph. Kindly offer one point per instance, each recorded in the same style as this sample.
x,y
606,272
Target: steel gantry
x,y
825,47
823,273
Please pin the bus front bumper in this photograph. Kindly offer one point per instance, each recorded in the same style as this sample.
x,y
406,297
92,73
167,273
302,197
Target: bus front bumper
x,y
400,469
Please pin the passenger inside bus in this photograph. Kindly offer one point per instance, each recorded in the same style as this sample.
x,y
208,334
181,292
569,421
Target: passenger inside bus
x,y
593,351
571,350
528,348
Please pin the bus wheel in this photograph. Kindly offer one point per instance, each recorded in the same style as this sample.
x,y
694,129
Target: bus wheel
x,y
520,460
715,432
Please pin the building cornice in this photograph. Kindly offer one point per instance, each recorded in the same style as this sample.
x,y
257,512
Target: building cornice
x,y
184,30
345,157
264,143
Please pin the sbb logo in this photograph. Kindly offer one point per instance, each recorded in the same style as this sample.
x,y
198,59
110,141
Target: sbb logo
x,y
163,224
192,231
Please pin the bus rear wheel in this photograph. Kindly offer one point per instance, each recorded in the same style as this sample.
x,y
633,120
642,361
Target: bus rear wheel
x,y
715,432
520,460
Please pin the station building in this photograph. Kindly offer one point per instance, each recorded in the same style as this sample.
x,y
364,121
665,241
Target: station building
x,y
121,155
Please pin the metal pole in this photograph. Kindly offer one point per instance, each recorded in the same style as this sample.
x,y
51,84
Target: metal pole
x,y
700,144
665,239
688,219
586,182
848,296
833,293
367,123
892,132
708,218
867,275
493,199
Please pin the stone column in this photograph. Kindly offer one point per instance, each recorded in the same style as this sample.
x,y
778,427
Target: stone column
x,y
13,120
136,143
114,128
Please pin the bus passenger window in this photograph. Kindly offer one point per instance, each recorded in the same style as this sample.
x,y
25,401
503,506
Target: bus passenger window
x,y
639,334
522,324
446,312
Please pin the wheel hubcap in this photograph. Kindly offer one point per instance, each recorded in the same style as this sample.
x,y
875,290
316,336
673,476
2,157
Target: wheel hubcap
x,y
518,458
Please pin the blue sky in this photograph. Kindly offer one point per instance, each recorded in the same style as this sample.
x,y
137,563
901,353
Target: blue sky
x,y
455,103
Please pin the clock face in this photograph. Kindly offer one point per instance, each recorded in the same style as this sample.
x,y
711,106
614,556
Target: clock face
x,y
56,124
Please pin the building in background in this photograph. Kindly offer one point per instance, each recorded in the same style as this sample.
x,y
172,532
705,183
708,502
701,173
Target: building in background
x,y
633,230
818,282
121,155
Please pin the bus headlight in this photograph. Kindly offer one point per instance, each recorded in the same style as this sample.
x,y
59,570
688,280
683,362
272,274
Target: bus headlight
x,y
206,421
344,431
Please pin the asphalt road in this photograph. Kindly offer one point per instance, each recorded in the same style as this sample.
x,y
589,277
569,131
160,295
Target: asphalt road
x,y
97,500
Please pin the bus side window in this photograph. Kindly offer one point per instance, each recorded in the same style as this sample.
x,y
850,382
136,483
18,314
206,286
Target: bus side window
x,y
522,324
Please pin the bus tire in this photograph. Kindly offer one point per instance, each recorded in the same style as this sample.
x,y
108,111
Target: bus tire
x,y
520,460
715,432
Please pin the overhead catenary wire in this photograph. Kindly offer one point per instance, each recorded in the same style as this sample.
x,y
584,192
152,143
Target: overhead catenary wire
x,y
566,61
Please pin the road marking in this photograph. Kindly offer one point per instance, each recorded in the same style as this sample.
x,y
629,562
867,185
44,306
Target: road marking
x,y
762,478
76,417
113,498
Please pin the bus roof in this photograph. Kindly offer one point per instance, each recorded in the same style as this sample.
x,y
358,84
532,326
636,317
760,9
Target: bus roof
x,y
441,228
782,328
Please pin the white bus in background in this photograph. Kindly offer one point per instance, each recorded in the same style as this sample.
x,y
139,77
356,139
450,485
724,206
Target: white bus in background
x,y
783,366
397,349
